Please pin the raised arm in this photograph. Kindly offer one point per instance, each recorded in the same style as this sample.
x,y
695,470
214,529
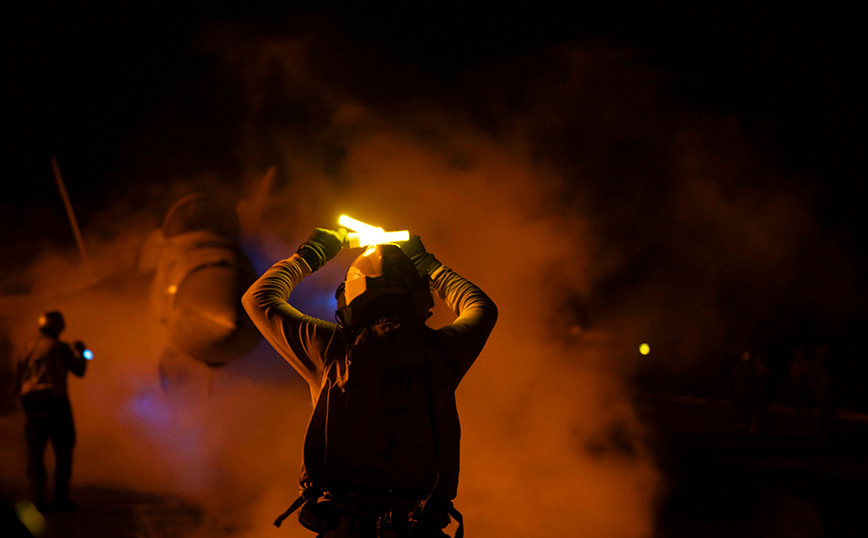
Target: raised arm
x,y
300,339
74,360
477,313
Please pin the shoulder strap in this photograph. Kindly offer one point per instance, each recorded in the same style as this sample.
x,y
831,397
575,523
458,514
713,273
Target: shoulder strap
x,y
292,508
310,493
456,515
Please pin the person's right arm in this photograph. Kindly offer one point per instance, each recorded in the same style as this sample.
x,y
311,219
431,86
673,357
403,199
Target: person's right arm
x,y
465,337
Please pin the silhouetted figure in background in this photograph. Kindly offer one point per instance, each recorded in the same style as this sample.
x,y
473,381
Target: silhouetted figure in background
x,y
8,384
742,378
751,391
763,393
798,371
43,365
820,382
382,446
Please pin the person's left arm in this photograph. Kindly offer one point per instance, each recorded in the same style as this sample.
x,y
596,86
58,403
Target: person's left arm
x,y
300,339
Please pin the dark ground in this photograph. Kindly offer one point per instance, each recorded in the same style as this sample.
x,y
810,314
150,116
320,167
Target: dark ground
x,y
787,481
107,513
720,481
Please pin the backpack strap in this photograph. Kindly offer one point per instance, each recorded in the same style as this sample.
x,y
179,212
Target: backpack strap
x,y
310,493
292,508
456,515
414,516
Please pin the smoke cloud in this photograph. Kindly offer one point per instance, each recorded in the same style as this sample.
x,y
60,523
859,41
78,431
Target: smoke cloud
x,y
592,211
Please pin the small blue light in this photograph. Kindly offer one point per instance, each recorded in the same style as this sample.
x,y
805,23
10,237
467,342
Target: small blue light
x,y
88,354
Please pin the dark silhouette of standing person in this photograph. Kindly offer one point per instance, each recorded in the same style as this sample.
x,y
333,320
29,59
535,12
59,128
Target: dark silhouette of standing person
x,y
820,380
798,371
751,393
42,368
762,394
743,378
382,447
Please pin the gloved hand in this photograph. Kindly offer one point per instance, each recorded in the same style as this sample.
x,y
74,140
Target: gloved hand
x,y
321,246
79,346
424,261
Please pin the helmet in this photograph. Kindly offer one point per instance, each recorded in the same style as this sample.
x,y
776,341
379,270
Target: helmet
x,y
383,283
52,323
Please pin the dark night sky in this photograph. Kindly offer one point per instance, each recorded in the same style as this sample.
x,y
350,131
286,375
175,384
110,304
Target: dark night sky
x,y
81,85
93,87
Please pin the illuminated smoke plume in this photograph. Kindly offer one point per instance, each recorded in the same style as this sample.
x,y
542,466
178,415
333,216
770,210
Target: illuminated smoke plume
x,y
558,183
548,430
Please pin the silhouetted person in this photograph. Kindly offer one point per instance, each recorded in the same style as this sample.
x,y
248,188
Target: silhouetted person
x,y
742,378
381,449
762,398
43,365
819,380
750,378
798,371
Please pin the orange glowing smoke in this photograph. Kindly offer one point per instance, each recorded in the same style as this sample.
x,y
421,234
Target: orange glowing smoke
x,y
551,445
530,406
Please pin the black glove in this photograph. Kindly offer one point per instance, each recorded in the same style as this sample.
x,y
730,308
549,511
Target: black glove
x,y
321,246
425,262
79,346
